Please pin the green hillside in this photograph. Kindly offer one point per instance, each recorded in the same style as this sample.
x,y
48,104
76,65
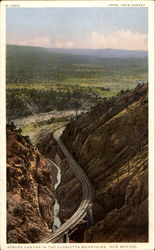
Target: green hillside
x,y
38,65
31,64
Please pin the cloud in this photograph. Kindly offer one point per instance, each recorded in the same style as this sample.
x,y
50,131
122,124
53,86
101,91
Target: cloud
x,y
44,42
65,44
38,42
121,39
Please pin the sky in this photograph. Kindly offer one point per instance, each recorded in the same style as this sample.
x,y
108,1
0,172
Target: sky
x,y
84,28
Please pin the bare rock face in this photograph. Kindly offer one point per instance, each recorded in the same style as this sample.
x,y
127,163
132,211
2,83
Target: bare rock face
x,y
111,144
29,191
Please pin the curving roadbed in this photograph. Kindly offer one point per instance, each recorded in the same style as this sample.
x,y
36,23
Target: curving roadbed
x,y
87,198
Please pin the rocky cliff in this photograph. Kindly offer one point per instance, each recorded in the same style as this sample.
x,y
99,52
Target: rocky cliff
x,y
30,194
111,145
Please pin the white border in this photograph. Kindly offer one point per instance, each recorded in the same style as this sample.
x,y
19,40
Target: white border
x,y
151,122
106,3
3,129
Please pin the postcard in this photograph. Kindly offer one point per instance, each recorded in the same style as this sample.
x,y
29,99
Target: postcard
x,y
77,125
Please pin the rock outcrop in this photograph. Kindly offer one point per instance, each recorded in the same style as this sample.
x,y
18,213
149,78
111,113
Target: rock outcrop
x,y
111,145
30,194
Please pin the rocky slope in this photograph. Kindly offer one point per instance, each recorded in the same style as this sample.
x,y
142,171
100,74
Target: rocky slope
x,y
30,196
111,144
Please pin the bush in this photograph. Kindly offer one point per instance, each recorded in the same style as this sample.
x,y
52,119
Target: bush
x,y
11,126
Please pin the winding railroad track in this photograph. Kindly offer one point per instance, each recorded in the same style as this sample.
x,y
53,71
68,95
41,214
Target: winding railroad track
x,y
87,198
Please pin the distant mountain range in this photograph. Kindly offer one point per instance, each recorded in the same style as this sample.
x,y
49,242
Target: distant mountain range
x,y
103,53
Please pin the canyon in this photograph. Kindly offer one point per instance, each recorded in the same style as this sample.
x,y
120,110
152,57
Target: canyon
x,y
111,145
